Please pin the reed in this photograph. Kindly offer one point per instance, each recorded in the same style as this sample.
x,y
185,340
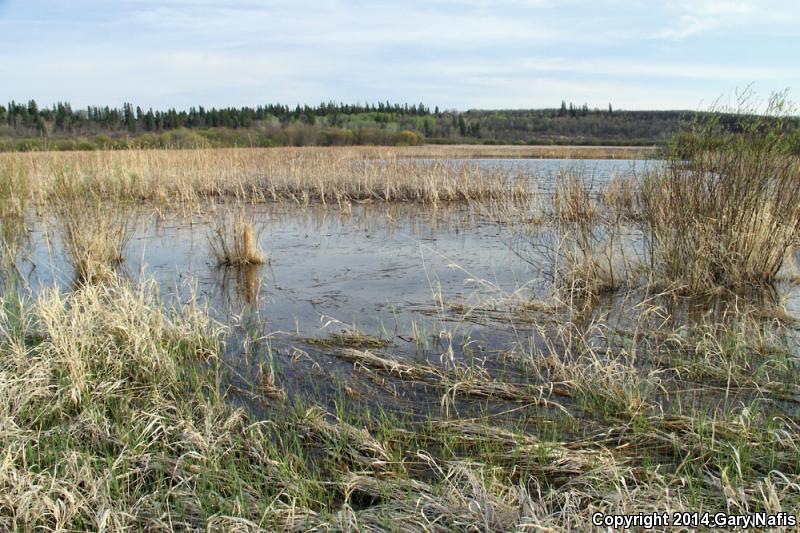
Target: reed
x,y
94,235
720,214
14,195
724,211
301,175
233,240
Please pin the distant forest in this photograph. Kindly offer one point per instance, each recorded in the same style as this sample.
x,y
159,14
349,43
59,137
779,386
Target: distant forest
x,y
27,126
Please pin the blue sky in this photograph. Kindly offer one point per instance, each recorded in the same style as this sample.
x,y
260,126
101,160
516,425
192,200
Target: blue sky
x,y
461,54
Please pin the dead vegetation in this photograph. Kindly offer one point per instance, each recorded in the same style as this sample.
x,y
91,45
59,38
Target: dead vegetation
x,y
95,236
328,176
233,240
348,339
106,376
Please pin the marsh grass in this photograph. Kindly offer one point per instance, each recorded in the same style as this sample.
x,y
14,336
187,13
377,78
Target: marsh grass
x,y
461,381
583,248
723,213
701,241
114,418
327,176
741,351
14,198
94,235
115,413
349,339
233,239
720,214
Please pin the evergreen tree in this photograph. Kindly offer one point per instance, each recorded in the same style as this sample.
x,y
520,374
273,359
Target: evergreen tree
x,y
129,118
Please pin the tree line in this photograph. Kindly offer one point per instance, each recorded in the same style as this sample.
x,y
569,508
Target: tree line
x,y
62,118
28,126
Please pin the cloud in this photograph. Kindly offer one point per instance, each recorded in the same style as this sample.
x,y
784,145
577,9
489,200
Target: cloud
x,y
467,53
692,18
345,24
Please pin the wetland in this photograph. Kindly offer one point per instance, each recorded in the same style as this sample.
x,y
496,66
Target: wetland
x,y
366,339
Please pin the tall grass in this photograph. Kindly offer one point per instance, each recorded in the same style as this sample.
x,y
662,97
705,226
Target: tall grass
x,y
724,211
14,199
94,234
233,240
721,213
297,175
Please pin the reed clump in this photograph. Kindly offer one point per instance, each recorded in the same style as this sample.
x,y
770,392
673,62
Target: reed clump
x,y
94,235
572,200
584,248
724,210
721,213
14,198
233,241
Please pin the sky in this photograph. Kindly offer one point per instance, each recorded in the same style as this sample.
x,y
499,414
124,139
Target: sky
x,y
455,54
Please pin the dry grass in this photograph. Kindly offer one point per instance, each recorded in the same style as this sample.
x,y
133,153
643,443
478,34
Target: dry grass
x,y
94,235
720,214
233,240
461,381
110,420
14,197
300,175
724,211
88,380
728,220
349,339
723,219
113,413
580,245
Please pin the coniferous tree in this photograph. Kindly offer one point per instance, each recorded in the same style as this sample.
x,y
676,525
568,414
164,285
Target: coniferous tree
x,y
462,125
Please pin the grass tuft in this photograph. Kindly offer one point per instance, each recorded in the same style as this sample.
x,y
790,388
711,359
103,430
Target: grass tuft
x,y
234,241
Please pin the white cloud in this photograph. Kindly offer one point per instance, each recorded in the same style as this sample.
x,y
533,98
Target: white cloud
x,y
473,53
696,17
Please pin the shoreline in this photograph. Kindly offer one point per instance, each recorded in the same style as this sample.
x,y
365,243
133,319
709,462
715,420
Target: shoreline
x,y
424,151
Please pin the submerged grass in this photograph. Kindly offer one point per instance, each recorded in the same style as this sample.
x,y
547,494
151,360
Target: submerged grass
x,y
349,339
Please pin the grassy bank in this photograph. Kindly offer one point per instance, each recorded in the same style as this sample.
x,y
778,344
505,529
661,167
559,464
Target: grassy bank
x,y
114,418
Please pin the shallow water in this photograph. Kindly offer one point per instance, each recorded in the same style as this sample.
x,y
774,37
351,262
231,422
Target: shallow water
x,y
358,267
393,271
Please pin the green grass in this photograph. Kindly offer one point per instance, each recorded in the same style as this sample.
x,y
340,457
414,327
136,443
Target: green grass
x,y
115,415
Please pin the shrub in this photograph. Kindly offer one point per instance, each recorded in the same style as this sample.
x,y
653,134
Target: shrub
x,y
407,138
724,210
